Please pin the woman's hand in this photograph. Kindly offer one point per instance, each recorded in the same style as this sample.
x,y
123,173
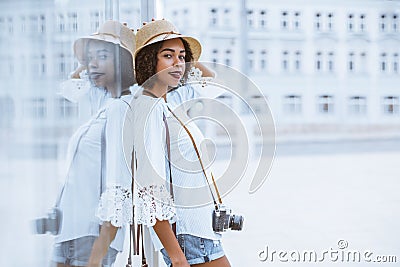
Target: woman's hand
x,y
171,245
101,244
180,263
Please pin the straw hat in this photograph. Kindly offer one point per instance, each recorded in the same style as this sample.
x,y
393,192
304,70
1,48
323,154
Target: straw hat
x,y
161,30
110,32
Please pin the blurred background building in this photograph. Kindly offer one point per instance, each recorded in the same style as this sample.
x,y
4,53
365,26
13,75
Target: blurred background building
x,y
326,67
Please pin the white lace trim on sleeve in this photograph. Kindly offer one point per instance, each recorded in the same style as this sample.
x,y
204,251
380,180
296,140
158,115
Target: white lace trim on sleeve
x,y
154,203
196,75
116,206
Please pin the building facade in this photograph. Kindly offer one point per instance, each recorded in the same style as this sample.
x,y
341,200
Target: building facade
x,y
36,55
323,65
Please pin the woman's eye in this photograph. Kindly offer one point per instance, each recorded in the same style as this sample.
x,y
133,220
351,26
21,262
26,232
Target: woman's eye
x,y
103,57
168,56
182,57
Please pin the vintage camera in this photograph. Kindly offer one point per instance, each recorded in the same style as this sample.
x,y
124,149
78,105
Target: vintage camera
x,y
223,219
51,223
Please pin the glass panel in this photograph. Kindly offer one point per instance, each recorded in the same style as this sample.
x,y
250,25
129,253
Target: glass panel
x,y
36,121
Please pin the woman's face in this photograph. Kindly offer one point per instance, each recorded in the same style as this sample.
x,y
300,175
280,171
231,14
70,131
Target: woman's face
x,y
100,59
171,62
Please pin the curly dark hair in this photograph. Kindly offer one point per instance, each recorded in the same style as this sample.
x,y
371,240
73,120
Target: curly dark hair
x,y
146,62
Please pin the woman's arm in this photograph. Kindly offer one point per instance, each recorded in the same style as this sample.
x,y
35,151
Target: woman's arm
x,y
167,238
206,72
101,244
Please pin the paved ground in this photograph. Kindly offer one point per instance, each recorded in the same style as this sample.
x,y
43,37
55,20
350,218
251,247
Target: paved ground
x,y
309,202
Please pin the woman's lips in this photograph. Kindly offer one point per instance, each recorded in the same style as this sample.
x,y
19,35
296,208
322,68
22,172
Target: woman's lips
x,y
95,75
176,74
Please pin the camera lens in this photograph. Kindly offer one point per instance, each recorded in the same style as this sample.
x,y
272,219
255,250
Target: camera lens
x,y
236,222
40,226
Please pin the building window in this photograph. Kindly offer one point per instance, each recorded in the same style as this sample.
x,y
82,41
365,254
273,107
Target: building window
x,y
215,56
363,62
61,65
250,59
285,60
10,27
296,23
350,61
318,61
36,108
297,61
33,24
214,16
73,22
395,64
292,104
263,60
257,104
362,22
325,104
330,22
395,23
23,24
350,22
42,65
263,19
284,20
383,65
228,56
357,105
42,26
331,62
250,19
227,17
94,20
382,23
66,109
391,105
61,23
317,22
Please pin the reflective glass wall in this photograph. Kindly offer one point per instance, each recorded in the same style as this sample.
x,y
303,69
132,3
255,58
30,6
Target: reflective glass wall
x,y
36,122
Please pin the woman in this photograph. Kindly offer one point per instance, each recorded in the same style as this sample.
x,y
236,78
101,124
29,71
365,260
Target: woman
x,y
96,200
163,52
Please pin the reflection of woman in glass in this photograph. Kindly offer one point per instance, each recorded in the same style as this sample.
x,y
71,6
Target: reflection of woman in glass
x,y
96,200
162,50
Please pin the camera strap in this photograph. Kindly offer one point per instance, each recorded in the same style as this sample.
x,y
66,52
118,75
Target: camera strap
x,y
201,162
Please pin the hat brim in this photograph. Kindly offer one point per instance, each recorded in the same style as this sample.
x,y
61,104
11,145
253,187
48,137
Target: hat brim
x,y
81,43
194,44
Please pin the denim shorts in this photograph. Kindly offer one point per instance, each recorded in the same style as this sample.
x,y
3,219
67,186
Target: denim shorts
x,y
197,250
76,252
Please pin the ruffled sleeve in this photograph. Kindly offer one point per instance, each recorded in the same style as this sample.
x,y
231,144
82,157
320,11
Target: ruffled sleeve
x,y
116,206
154,203
153,200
